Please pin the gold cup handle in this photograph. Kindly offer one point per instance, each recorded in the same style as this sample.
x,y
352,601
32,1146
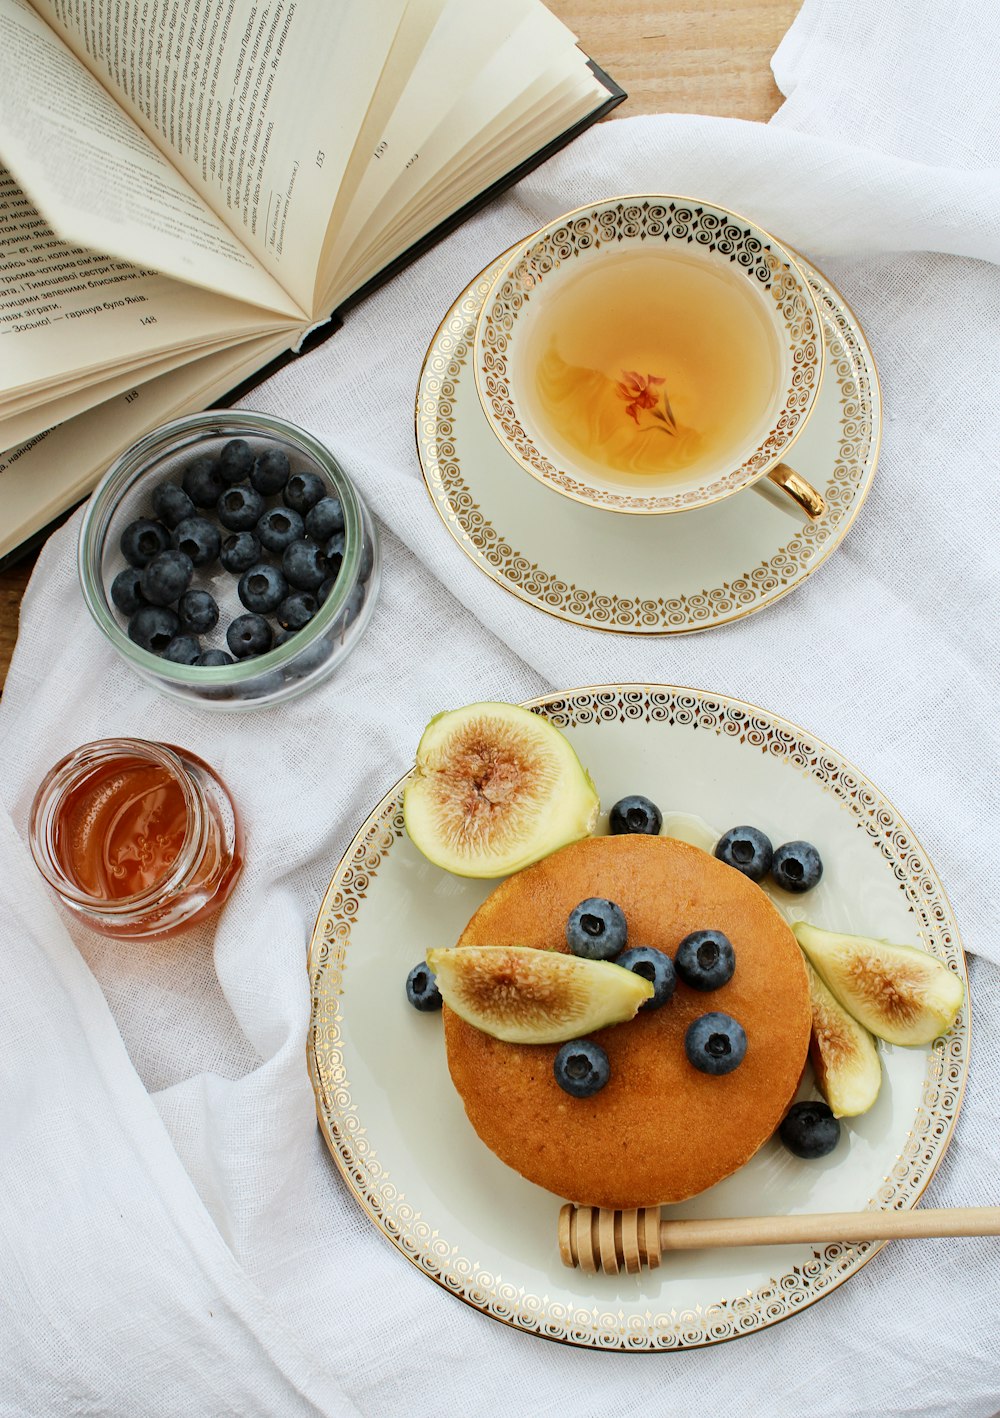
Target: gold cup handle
x,y
813,504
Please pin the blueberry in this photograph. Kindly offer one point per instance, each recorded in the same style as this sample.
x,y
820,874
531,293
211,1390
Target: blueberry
x,y
140,541
325,589
313,654
596,929
183,650
166,577
235,461
304,565
747,849
249,635
810,1130
270,472
653,966
214,657
262,588
239,552
353,604
202,481
715,1043
581,1068
367,559
422,990
153,627
297,610
796,866
635,814
239,508
705,960
304,490
335,552
125,591
198,612
172,504
280,527
324,519
199,539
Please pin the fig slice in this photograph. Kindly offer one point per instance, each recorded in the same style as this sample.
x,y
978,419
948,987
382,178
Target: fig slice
x,y
901,994
494,789
843,1054
528,996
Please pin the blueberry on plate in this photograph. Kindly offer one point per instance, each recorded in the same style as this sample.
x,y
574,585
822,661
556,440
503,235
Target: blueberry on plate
x,y
235,461
239,552
183,650
796,866
297,610
141,540
581,1068
304,490
214,658
596,929
202,481
325,518
715,1043
166,577
279,527
153,627
422,990
304,565
199,539
747,849
635,814
653,966
239,508
249,635
125,591
172,504
198,611
270,471
810,1130
262,588
325,589
705,960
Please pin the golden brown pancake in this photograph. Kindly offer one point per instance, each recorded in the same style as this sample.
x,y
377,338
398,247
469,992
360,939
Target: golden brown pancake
x,y
660,1130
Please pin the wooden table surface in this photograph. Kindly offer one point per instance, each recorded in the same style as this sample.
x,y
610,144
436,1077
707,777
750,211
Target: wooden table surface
x,y
671,56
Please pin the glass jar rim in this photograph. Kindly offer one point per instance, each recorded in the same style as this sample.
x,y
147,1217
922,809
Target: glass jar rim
x,y
59,780
103,503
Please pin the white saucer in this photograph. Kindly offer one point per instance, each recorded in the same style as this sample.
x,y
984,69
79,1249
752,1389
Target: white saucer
x,y
656,575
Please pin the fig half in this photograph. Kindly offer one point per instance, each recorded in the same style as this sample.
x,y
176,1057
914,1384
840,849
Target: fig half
x,y
843,1054
528,996
494,789
902,994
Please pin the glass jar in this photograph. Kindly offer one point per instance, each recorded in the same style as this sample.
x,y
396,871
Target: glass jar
x,y
137,839
305,658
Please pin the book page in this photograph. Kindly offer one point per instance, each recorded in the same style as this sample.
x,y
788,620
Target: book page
x,y
258,102
99,180
70,316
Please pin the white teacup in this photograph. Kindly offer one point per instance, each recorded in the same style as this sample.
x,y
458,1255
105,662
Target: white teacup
x,y
651,354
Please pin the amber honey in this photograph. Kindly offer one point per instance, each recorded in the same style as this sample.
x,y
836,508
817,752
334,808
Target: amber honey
x,y
139,839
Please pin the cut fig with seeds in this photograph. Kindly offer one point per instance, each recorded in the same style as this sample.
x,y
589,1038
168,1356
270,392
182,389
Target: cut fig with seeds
x,y
528,996
843,1054
494,789
899,993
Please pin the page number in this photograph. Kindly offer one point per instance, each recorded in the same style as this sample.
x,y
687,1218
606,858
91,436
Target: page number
x,y
320,158
147,320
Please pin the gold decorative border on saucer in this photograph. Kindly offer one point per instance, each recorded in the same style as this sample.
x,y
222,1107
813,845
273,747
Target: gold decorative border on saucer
x,y
653,221
849,360
550,1316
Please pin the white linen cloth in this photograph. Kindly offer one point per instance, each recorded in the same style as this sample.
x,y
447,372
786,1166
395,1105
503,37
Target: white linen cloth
x,y
173,1238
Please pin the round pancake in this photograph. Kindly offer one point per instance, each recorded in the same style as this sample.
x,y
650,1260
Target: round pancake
x,y
660,1130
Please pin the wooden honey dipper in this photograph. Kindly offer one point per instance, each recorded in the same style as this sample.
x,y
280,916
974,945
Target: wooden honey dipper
x,y
596,1239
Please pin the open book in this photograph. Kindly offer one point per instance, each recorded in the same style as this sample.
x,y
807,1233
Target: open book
x,y
188,188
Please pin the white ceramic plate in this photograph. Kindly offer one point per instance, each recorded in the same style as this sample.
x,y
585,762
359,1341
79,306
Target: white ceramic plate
x,y
652,575
397,1128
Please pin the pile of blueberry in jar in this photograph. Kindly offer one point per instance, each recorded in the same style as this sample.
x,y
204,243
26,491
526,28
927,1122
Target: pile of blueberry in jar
x,y
278,533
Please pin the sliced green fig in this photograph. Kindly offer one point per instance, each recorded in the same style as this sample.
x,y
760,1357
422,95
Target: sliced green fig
x,y
843,1054
494,789
528,996
899,993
